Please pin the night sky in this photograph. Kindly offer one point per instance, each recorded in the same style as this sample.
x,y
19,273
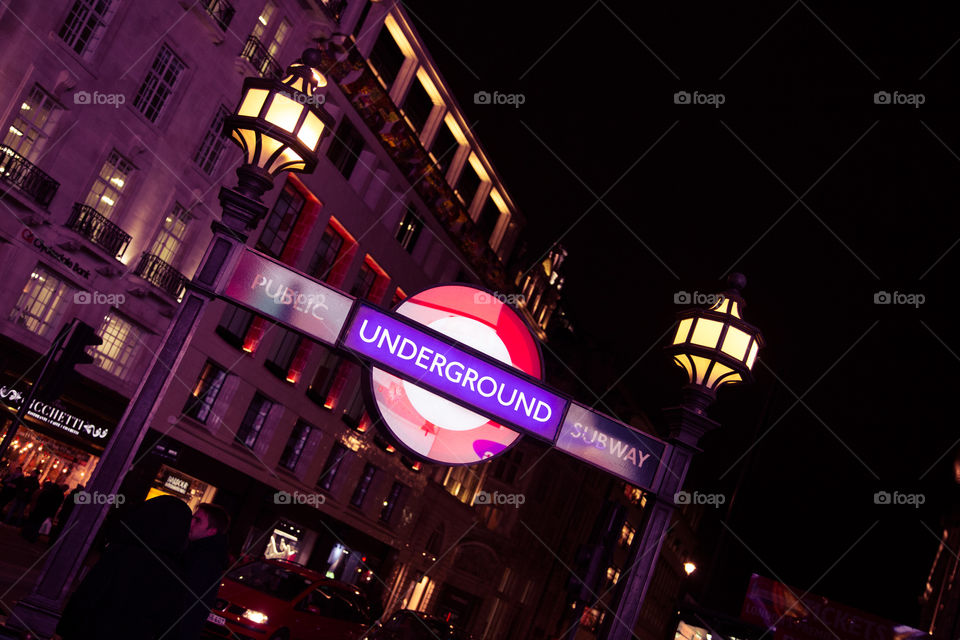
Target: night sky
x,y
800,181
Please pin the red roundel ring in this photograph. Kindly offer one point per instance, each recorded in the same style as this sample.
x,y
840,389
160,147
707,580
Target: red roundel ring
x,y
434,428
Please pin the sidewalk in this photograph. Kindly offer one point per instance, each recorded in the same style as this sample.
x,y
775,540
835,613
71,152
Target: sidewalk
x,y
20,565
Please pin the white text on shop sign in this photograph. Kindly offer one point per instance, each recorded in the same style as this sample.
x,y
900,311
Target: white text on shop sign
x,y
54,416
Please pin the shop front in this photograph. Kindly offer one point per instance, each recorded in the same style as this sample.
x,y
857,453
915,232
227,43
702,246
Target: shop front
x,y
54,443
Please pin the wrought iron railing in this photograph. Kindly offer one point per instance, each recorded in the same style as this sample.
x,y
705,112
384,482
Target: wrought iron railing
x,y
260,58
161,275
221,11
26,177
89,223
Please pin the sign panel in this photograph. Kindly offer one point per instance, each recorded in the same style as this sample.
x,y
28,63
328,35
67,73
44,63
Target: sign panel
x,y
56,417
428,361
288,296
611,445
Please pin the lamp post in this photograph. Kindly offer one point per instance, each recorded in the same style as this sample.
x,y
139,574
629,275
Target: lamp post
x,y
279,125
714,346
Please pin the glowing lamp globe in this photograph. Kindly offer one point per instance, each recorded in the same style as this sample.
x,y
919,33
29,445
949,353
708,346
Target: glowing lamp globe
x,y
279,124
716,346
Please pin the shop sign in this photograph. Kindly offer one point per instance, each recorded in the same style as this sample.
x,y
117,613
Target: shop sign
x,y
611,445
175,483
55,417
37,243
287,296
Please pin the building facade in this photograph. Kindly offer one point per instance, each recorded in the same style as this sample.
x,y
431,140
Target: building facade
x,y
111,160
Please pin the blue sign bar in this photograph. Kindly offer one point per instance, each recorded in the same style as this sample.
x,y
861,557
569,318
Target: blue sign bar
x,y
611,445
495,390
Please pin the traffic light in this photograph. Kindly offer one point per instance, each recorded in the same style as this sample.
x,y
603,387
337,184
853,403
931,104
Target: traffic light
x,y
73,352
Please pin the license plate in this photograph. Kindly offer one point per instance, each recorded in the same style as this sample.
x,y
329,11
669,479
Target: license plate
x,y
215,619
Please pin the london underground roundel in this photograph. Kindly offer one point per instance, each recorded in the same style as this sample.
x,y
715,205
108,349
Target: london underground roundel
x,y
433,427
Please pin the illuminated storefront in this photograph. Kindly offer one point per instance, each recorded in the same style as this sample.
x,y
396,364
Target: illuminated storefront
x,y
171,482
58,445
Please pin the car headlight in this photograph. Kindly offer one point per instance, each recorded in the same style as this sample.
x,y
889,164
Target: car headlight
x,y
258,617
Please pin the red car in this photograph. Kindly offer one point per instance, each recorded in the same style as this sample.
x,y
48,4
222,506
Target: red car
x,y
276,600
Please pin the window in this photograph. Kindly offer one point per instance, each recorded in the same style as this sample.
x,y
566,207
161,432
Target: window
x,y
205,392
409,229
363,286
371,282
626,535
214,142
121,340
386,57
281,221
468,184
355,409
488,218
85,25
279,36
332,466
391,502
109,184
444,146
253,420
270,34
613,576
285,348
345,148
435,541
159,83
417,105
170,237
462,482
323,380
326,254
295,444
263,20
234,324
31,126
360,492
507,466
41,303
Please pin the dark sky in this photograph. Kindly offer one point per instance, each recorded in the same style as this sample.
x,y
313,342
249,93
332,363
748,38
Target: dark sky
x,y
799,180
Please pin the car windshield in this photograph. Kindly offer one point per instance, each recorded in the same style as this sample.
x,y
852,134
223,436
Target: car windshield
x,y
274,580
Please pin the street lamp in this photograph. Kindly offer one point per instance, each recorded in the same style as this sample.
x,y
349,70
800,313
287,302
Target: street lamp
x,y
689,567
715,346
279,125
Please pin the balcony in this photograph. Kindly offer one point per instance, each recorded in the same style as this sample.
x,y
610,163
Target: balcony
x,y
88,222
26,177
260,58
221,11
161,275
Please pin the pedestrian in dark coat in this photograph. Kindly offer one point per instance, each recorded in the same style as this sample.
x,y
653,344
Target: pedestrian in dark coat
x,y
204,563
133,592
48,501
68,504
26,487
8,490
